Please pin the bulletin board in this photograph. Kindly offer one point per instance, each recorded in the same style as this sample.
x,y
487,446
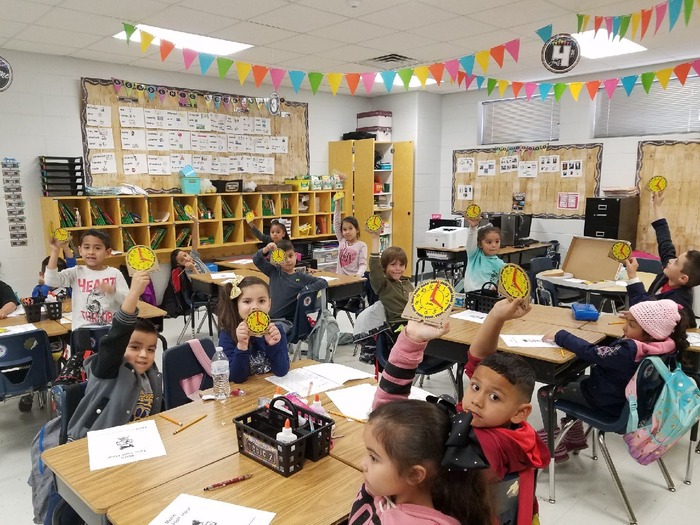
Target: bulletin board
x,y
678,162
546,181
142,134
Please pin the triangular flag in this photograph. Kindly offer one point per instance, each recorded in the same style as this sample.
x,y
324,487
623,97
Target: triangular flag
x,y
161,94
497,54
681,71
117,85
452,66
646,19
648,80
674,11
224,64
482,58
436,70
405,76
146,39
586,19
609,26
388,78
460,77
544,90
243,68
189,55
205,60
687,10
259,74
575,88
165,49
610,86
421,73
368,81
334,80
592,88
660,14
545,33
597,22
277,75
352,80
636,18
129,30
628,83
530,89
696,66
467,64
616,21
559,89
490,85
517,86
579,27
624,25
479,81
664,75
513,48
468,79
296,77
315,80
502,86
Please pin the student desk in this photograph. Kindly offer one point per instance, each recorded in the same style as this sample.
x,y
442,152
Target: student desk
x,y
455,260
601,288
52,328
508,252
233,264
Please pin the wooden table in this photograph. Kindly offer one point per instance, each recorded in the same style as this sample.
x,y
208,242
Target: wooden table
x,y
562,317
52,328
233,264
607,324
599,288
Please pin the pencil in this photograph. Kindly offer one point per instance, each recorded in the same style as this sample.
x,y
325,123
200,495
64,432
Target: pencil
x,y
618,322
171,419
190,424
347,417
311,386
228,482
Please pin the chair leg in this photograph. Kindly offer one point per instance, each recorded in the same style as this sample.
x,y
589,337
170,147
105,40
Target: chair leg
x,y
352,323
552,464
594,448
667,476
182,332
691,446
616,478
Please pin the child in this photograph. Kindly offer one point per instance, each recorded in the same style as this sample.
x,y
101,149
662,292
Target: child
x,y
404,478
98,289
483,264
248,354
679,276
190,263
42,290
285,283
651,328
387,280
352,252
277,231
8,300
498,398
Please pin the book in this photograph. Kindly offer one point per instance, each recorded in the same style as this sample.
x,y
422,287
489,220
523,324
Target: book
x,y
227,211
128,240
182,236
228,231
126,216
157,237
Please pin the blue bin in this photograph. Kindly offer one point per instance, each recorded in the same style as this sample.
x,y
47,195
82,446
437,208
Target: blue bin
x,y
585,312
212,267
190,185
188,171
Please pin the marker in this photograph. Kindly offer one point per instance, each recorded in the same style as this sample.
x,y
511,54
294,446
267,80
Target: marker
x,y
228,482
190,424
311,386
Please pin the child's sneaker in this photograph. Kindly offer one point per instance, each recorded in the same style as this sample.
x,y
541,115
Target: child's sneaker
x,y
560,453
575,438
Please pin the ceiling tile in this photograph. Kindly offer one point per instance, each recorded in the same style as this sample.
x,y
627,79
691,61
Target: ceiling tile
x,y
47,48
306,44
352,31
265,56
601,7
446,30
115,46
253,33
473,43
162,66
398,42
463,7
522,12
298,18
125,10
89,23
20,11
342,7
411,14
60,37
437,52
241,9
189,20
312,63
349,53
99,56
9,29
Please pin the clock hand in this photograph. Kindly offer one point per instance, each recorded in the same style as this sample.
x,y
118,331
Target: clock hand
x,y
515,282
432,296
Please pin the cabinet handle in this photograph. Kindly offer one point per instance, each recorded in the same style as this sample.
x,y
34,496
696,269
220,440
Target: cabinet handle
x,y
602,207
600,234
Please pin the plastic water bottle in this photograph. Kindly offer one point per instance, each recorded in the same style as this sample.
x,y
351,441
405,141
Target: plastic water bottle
x,y
219,373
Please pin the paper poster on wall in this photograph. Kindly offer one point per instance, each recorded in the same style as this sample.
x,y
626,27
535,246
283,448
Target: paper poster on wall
x,y
262,145
568,201
157,140
527,169
176,119
133,139
262,126
103,163
154,118
241,144
201,163
279,145
179,161
135,164
198,121
199,141
98,115
247,125
465,192
487,168
179,140
549,164
130,117
217,143
159,165
220,165
519,201
465,165
572,168
100,138
218,122
509,163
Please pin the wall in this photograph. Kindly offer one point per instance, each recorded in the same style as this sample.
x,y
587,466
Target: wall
x,y
40,116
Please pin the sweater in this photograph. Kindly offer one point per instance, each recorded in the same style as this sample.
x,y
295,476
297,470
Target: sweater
x,y
260,358
352,258
115,393
7,294
90,305
392,294
286,287
481,268
198,263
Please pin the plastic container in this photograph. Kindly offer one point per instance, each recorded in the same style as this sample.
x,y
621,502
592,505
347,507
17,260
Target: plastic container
x,y
33,312
190,185
188,171
585,312
220,374
212,267
481,300
54,309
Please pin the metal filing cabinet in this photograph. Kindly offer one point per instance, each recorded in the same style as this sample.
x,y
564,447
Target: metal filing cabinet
x,y
609,218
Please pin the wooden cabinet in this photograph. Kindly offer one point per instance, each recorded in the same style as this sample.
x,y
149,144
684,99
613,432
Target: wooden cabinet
x,y
610,218
159,221
380,177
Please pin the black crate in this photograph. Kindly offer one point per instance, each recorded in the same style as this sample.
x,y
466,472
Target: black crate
x,y
54,309
257,431
62,176
481,300
33,312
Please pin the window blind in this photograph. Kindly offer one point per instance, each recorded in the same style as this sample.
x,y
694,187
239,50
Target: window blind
x,y
519,120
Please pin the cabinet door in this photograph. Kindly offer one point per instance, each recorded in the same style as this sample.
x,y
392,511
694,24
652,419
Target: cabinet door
x,y
364,180
402,227
340,158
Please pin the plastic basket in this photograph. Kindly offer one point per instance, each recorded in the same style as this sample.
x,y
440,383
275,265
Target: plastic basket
x,y
54,309
585,312
190,185
33,312
257,430
482,300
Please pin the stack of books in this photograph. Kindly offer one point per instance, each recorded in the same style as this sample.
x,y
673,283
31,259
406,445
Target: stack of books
x,y
157,235
66,215
128,240
228,231
183,238
99,216
180,214
620,193
226,209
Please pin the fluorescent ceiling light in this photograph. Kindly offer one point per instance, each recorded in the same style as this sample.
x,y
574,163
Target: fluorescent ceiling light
x,y
414,82
199,43
601,46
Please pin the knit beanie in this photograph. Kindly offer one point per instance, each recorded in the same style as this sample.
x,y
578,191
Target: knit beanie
x,y
657,318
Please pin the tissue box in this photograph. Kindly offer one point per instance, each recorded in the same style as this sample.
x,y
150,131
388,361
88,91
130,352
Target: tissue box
x,y
446,237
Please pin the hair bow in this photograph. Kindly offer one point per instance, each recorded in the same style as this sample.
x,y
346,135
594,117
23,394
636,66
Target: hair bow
x,y
235,290
462,448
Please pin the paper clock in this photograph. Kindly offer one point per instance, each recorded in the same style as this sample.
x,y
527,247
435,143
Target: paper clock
x,y
431,302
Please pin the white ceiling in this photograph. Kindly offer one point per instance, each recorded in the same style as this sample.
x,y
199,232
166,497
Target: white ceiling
x,y
331,36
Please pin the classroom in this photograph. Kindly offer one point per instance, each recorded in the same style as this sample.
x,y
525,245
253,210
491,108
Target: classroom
x,y
472,104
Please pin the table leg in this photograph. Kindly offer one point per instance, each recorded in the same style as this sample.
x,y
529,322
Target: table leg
x,y
551,425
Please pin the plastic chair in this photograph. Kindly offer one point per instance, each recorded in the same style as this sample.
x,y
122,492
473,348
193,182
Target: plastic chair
x,y
307,306
649,385
191,301
180,363
352,305
26,365
87,338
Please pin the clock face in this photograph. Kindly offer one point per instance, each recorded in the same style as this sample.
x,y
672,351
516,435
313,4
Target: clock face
x,y
257,322
620,251
249,216
657,184
514,282
141,258
473,211
432,299
374,223
60,235
277,256
189,210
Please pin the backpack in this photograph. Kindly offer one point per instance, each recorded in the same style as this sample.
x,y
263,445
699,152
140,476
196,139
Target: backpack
x,y
323,339
676,410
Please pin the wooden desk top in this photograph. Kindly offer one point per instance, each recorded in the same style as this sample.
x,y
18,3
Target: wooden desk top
x,y
321,493
235,265
562,317
338,279
603,325
52,328
508,250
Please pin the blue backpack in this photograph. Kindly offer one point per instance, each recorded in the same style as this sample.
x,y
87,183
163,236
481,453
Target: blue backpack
x,y
675,411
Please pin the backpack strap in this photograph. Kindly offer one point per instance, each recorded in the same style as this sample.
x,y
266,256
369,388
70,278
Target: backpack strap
x,y
200,354
191,385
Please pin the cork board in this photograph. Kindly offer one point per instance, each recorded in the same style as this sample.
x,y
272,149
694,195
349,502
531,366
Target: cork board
x,y
490,177
678,162
142,135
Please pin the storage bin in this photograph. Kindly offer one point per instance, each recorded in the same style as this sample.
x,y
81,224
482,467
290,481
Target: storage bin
x,y
190,185
585,312
54,309
188,171
482,300
381,134
298,184
228,186
370,119
33,312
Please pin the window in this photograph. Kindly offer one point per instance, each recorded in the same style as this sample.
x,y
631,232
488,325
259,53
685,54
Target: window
x,y
673,110
519,120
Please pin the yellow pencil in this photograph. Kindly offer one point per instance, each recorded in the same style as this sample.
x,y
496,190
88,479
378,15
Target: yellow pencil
x,y
347,417
190,424
171,419
618,322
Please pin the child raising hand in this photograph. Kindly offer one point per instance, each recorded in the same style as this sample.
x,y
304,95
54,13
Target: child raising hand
x,y
483,263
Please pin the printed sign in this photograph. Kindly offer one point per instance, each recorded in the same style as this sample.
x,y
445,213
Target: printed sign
x,y
561,53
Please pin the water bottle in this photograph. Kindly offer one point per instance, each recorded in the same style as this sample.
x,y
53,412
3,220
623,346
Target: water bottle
x,y
219,373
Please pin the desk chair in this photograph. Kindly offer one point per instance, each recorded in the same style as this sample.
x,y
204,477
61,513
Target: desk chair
x,y
649,265
190,302
181,364
307,307
649,386
26,365
545,292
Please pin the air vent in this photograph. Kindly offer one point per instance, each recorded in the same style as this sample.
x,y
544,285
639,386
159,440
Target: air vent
x,y
390,61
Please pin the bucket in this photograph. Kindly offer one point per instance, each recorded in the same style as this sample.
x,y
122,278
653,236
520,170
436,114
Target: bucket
x,y
188,171
54,309
33,312
190,185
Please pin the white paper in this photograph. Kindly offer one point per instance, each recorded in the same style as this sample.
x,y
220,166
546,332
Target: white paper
x,y
198,121
176,119
179,161
201,163
223,275
17,329
262,145
100,138
509,163
217,143
470,315
329,279
572,168
157,140
549,164
220,165
218,122
527,341
135,164
465,165
187,509
527,169
179,140
133,139
693,338
279,145
487,168
154,118
240,144
103,163
241,261
338,373
356,401
299,380
159,165
98,115
131,117
465,192
17,312
124,444
261,126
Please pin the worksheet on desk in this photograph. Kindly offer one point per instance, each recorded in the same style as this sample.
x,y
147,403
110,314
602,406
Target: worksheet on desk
x,y
124,444
315,379
187,509
16,329
470,315
356,401
527,341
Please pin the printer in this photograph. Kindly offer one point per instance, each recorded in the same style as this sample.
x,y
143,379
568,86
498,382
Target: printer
x,y
446,237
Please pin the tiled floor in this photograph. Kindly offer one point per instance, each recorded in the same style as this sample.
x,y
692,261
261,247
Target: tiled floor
x,y
585,492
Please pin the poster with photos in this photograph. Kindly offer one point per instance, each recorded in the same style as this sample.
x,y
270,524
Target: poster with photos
x,y
509,164
487,168
519,201
549,164
572,168
527,169
465,192
465,165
